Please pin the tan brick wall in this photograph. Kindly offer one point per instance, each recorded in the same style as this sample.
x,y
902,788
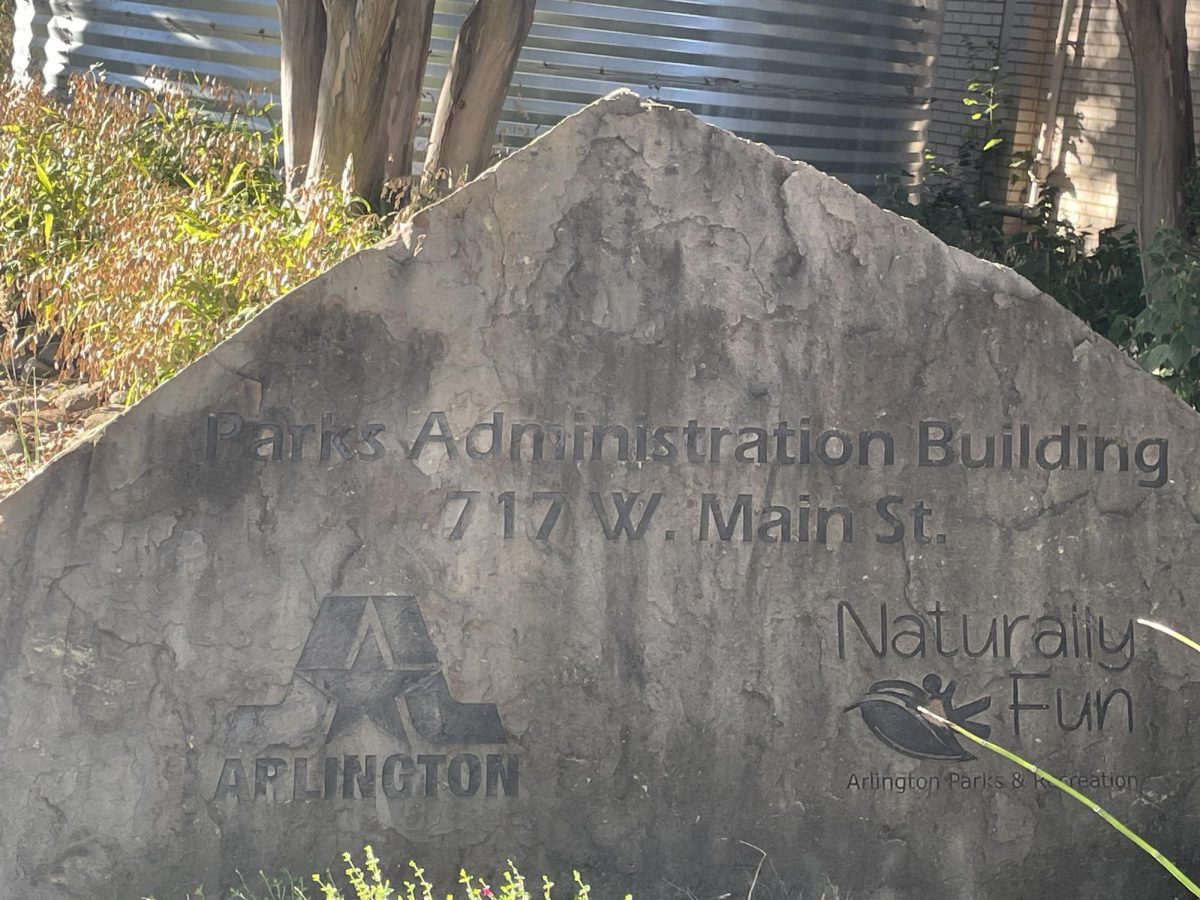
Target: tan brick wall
x,y
1097,118
1029,55
1094,150
1022,31
967,28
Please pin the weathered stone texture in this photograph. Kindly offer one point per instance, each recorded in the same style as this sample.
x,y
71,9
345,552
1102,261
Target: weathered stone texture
x,y
635,708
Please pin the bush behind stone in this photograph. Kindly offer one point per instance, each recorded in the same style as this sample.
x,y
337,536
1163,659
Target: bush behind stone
x,y
144,227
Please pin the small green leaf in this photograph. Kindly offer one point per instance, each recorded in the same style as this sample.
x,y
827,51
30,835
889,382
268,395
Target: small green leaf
x,y
1155,357
1180,352
1153,320
308,233
43,177
1191,332
234,179
1118,329
197,231
994,142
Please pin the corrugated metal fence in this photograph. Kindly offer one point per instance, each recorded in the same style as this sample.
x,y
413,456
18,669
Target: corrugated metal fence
x,y
843,84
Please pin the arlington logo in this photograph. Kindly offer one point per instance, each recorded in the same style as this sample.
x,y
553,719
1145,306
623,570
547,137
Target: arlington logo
x,y
368,669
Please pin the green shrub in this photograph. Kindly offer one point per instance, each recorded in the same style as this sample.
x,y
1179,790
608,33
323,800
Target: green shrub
x,y
1158,324
1103,285
143,228
1164,335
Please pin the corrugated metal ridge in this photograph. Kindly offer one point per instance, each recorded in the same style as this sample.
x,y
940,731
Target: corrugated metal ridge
x,y
262,23
869,25
763,11
844,84
768,56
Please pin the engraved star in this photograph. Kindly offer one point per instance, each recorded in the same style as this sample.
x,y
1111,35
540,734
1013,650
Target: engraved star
x,y
368,690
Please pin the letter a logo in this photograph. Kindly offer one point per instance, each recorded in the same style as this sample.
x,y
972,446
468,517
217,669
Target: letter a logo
x,y
369,659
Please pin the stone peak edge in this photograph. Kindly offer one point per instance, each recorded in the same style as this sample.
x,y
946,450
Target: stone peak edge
x,y
802,184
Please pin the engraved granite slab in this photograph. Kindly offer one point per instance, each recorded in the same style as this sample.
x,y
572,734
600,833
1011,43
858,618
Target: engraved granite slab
x,y
617,514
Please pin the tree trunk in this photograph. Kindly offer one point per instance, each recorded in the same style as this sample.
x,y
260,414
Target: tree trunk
x,y
358,36
472,95
301,50
388,150
1165,142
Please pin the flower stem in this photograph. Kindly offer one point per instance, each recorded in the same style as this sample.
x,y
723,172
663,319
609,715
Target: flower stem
x,y
1182,638
1071,792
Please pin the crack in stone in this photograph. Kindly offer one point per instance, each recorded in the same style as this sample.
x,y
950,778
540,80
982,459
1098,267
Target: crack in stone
x,y
339,568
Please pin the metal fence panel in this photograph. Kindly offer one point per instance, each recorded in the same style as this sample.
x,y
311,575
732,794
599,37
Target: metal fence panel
x,y
842,84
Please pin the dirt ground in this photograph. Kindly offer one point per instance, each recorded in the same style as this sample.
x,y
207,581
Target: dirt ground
x,y
40,419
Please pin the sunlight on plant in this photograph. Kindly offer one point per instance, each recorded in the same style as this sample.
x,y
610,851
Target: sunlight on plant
x,y
145,227
1070,792
368,882
377,888
1182,638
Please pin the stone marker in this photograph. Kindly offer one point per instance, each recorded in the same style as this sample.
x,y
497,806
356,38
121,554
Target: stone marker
x,y
617,515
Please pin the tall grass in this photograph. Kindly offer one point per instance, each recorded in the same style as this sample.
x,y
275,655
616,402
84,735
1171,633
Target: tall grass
x,y
143,227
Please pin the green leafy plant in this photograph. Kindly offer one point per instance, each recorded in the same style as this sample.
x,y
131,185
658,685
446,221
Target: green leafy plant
x,y
368,882
953,197
1158,324
1165,335
141,228
986,96
376,888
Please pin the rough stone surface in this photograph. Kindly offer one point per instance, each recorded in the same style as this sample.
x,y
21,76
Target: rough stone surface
x,y
98,417
79,398
23,405
10,443
255,597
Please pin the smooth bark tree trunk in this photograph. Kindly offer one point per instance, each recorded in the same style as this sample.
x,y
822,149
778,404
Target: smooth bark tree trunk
x,y
358,37
352,73
1165,142
472,95
388,150
302,48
